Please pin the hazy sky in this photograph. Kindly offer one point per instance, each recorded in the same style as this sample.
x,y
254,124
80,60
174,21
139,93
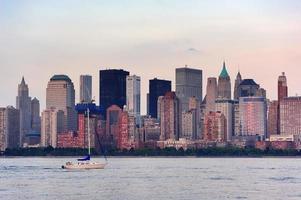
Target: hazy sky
x,y
39,38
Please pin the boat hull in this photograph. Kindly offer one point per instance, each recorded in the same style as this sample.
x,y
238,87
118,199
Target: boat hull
x,y
84,166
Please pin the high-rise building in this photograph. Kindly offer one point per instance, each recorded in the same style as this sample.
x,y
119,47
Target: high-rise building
x,y
237,83
247,88
169,116
151,127
225,106
23,104
188,84
157,88
224,84
290,115
215,127
112,124
133,95
112,88
85,85
236,119
35,116
9,128
52,125
211,94
60,94
282,87
272,122
253,116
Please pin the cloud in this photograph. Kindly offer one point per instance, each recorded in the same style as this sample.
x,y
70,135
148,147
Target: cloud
x,y
191,49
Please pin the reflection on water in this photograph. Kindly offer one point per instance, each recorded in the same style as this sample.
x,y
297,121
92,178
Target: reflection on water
x,y
152,178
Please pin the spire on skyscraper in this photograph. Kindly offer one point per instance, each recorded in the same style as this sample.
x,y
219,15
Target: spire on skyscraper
x,y
224,73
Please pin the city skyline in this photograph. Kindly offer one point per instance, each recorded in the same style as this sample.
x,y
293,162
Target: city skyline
x,y
256,38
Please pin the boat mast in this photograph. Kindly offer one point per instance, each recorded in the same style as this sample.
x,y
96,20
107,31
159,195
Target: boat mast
x,y
88,113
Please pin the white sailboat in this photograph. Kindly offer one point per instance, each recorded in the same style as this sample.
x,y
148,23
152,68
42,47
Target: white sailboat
x,y
85,163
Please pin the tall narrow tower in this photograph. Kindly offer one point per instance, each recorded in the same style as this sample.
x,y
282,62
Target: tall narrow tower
x,y
23,103
224,84
282,87
211,94
237,83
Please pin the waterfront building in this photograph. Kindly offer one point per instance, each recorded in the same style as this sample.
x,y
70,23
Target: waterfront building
x,y
133,95
215,127
225,106
157,88
23,104
35,116
52,125
85,85
290,115
112,124
224,84
253,116
112,88
272,122
60,94
9,128
169,116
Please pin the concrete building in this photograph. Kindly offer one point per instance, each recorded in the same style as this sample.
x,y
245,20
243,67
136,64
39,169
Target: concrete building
x,y
290,116
215,127
253,116
133,96
35,116
225,106
52,125
169,116
151,128
211,94
282,87
236,119
23,104
85,85
188,84
112,124
157,88
9,128
237,83
224,84
272,122
60,94
112,88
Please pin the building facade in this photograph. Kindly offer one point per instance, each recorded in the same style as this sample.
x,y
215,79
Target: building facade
x,y
157,88
282,87
247,88
225,106
237,83
169,116
253,116
85,88
112,88
23,104
215,127
60,94
290,116
35,116
9,128
211,94
133,95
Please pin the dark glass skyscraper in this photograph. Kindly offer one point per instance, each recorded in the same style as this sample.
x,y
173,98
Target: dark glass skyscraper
x,y
157,88
112,88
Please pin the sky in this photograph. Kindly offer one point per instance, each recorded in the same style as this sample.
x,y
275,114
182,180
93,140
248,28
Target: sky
x,y
149,38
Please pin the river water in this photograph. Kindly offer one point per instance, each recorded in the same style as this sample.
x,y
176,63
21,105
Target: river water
x,y
152,178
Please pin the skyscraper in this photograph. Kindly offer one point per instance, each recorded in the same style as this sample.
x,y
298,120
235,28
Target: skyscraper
x,y
224,84
282,87
211,94
35,115
237,83
157,88
133,95
253,116
215,127
23,104
188,84
85,88
247,88
52,125
272,123
9,128
290,115
169,116
225,106
60,94
112,88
